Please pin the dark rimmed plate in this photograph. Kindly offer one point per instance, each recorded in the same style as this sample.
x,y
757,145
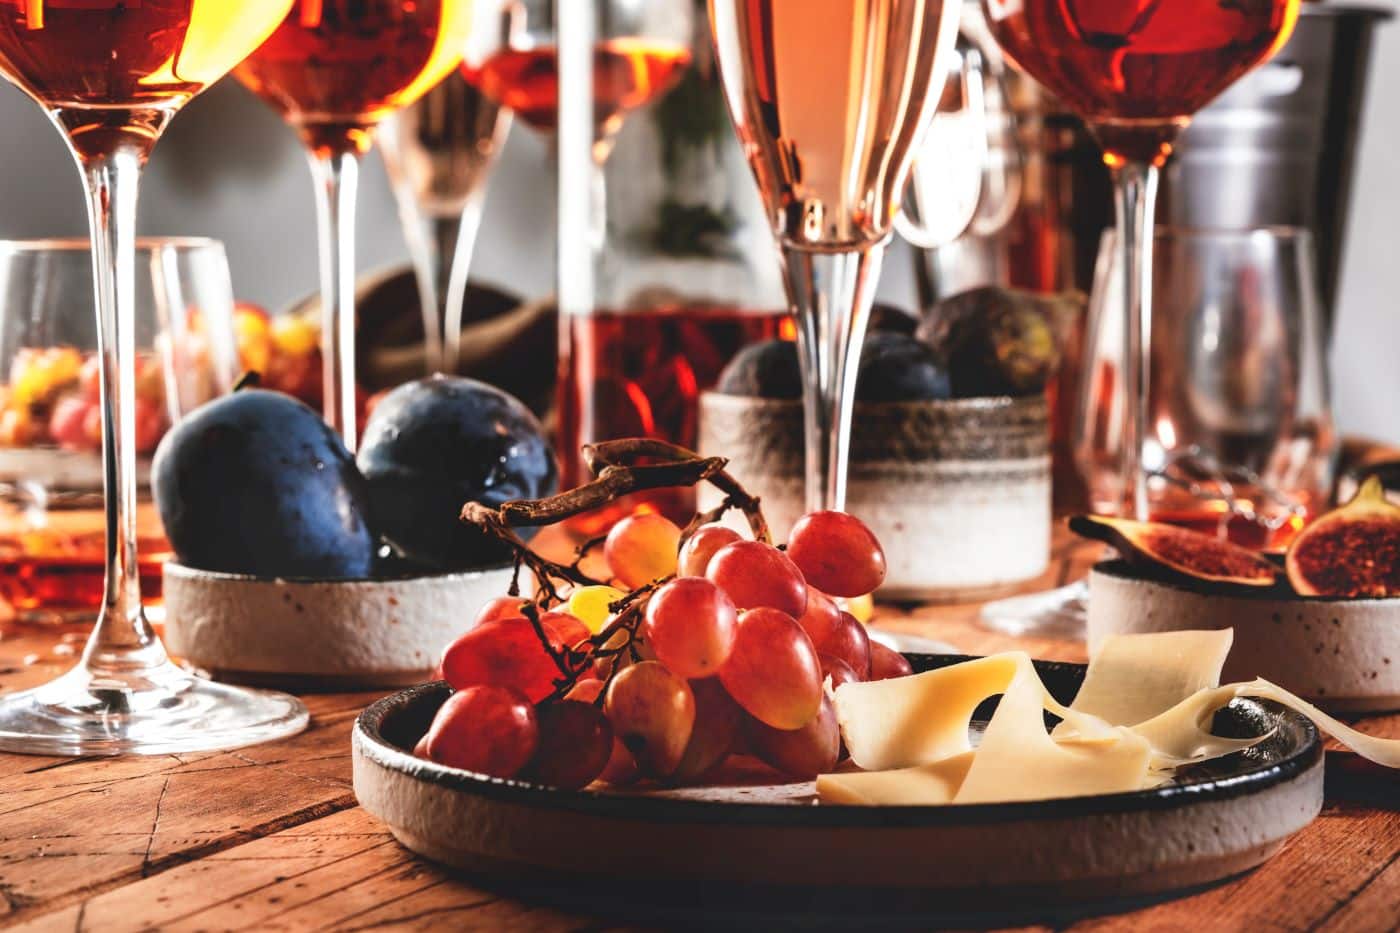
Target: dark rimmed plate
x,y
1216,821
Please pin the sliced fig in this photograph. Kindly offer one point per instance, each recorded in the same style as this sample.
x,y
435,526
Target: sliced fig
x,y
1351,552
1180,550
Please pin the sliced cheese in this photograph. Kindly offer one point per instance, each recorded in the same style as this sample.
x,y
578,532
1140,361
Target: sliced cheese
x,y
1145,708
1018,760
926,785
1133,678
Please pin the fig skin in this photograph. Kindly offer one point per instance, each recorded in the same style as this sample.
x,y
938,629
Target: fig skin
x,y
1350,553
1180,550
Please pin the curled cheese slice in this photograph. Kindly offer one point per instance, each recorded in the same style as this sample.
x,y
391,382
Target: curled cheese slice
x,y
1373,748
1134,678
925,785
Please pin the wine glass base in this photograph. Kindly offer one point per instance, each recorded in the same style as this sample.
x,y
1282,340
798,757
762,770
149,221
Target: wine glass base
x,y
166,710
1057,613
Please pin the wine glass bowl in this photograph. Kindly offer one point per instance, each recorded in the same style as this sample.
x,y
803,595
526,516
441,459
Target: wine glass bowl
x,y
1137,72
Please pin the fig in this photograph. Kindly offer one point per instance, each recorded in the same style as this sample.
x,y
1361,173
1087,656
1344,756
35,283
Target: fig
x,y
1180,550
1351,552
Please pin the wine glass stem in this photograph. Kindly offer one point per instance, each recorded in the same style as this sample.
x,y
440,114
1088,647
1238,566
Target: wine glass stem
x,y
831,295
122,640
456,261
1135,199
337,177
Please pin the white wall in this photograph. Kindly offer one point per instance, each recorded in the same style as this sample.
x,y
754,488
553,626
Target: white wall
x,y
1366,352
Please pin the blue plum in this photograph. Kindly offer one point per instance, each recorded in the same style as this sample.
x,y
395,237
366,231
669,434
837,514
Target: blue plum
x,y
763,370
256,483
895,367
434,445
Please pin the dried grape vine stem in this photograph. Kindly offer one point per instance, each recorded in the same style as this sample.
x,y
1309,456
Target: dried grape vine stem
x,y
620,468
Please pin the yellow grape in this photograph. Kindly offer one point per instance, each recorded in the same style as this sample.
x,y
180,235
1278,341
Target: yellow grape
x,y
589,604
642,548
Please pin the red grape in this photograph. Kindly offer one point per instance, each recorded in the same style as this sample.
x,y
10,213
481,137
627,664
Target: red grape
x,y
564,630
758,575
839,671
575,744
701,546
690,624
642,548
821,617
773,671
801,753
420,749
621,768
502,607
885,663
850,642
586,690
502,653
717,720
837,553
652,711
490,730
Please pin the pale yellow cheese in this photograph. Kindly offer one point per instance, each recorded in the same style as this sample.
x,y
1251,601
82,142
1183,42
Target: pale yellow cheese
x,y
1144,709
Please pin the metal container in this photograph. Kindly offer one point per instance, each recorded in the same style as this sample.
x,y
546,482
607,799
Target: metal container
x,y
1279,148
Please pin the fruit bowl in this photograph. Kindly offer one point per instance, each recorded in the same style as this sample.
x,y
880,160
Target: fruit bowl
x,y
958,490
321,634
1341,654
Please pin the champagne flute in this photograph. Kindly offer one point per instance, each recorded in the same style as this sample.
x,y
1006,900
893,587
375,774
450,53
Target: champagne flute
x,y
830,99
439,153
111,74
1136,72
335,69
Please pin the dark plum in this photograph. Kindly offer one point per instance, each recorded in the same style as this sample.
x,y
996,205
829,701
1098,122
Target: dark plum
x,y
256,483
898,368
763,370
434,445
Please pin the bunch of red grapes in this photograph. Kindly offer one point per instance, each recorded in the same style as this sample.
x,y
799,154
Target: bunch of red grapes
x,y
732,643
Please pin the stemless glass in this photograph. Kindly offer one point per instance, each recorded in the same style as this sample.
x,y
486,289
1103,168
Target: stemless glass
x,y
335,69
52,524
1240,440
1136,73
830,99
111,74
439,153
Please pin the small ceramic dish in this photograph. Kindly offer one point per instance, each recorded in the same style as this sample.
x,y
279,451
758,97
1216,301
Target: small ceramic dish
x,y
958,491
1216,820
321,633
1341,654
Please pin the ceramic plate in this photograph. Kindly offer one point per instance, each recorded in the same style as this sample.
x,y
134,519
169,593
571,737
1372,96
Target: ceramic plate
x,y
1217,820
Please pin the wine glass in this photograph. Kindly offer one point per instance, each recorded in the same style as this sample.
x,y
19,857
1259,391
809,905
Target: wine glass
x,y
830,99
335,69
1135,72
439,153
640,50
1240,442
111,74
52,521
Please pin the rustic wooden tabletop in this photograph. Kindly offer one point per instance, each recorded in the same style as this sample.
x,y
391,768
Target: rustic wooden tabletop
x,y
270,837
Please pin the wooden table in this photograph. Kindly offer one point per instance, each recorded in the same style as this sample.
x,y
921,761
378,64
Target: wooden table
x,y
270,838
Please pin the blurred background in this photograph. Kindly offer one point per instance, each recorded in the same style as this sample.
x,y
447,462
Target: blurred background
x,y
229,168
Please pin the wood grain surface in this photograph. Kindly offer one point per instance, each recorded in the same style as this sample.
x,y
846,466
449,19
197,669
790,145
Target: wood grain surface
x,y
270,838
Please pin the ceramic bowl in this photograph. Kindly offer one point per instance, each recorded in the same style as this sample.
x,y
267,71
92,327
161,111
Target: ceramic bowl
x,y
1341,654
321,633
1213,821
957,491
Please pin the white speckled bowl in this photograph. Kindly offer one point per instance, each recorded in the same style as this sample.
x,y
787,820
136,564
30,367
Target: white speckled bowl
x,y
957,491
321,633
1341,654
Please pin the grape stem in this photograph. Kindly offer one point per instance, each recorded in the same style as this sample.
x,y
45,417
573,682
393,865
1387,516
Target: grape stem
x,y
620,468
